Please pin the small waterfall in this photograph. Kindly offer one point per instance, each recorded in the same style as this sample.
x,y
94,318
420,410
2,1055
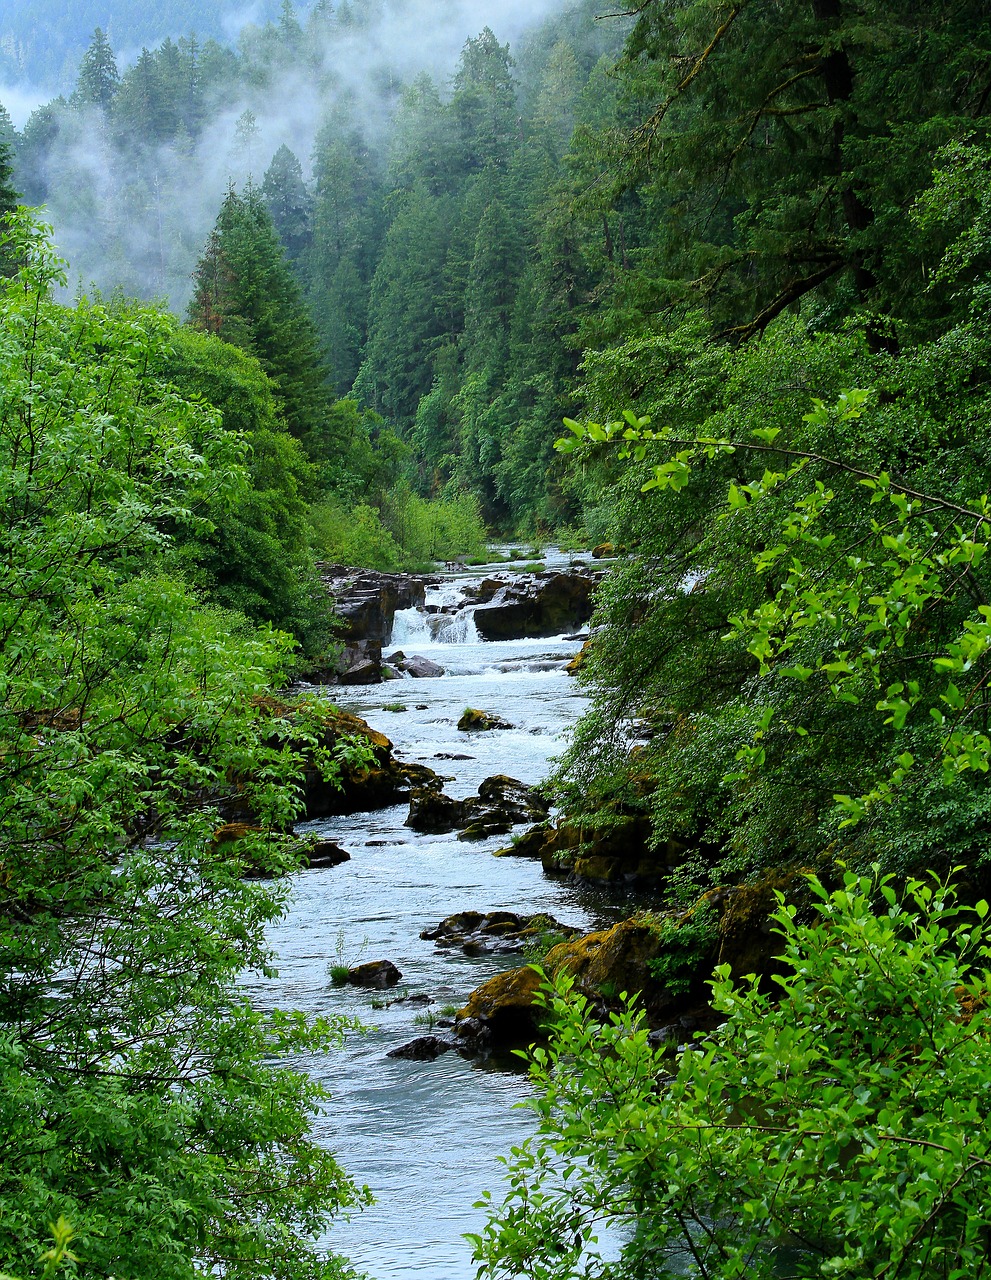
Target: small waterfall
x,y
412,628
458,628
409,626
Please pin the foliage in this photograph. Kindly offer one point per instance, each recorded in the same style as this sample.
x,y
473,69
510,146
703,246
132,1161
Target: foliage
x,y
686,942
803,619
353,536
247,295
256,556
832,1128
142,1097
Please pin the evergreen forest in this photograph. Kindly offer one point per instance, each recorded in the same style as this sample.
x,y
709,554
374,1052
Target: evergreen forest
x,y
703,284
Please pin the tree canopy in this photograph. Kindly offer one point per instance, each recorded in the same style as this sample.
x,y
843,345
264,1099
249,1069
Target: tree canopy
x,y
141,1097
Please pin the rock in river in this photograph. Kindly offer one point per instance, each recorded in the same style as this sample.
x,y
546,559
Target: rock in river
x,y
547,604
415,666
422,1049
475,721
377,974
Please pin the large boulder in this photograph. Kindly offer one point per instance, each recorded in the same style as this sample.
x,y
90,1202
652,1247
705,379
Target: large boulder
x,y
434,813
366,601
475,721
622,853
418,667
375,974
547,604
360,663
502,803
501,1012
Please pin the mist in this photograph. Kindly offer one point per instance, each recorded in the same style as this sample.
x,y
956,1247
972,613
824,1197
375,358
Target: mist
x,y
139,228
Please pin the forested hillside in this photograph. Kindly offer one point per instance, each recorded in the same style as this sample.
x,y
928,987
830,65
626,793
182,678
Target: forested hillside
x,y
428,218
43,42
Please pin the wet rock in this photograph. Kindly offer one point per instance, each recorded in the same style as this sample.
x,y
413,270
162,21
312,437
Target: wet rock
x,y
501,1012
545,605
509,794
478,933
433,812
482,829
502,803
528,845
580,658
475,721
622,853
325,853
415,666
452,755
361,663
231,832
423,1049
375,974
603,550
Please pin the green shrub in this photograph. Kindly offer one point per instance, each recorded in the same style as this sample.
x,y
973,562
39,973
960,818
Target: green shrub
x,y
687,940
834,1127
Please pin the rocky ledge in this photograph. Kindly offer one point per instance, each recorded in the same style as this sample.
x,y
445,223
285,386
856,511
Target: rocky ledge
x,y
533,605
665,961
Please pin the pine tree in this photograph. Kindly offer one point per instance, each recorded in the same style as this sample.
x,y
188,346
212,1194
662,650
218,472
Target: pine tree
x,y
290,32
288,201
347,236
98,76
484,103
9,197
144,110
246,294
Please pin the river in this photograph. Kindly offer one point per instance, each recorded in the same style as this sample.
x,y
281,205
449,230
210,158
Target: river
x,y
426,1136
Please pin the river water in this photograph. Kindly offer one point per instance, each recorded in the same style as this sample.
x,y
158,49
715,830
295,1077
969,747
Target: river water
x,y
426,1136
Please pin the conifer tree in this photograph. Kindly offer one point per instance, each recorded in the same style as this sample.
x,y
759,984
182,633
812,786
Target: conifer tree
x,y
98,76
484,103
245,293
9,197
288,201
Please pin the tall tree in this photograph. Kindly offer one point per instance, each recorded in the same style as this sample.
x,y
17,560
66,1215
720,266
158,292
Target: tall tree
x,y
141,1096
246,294
9,196
288,201
98,79
484,103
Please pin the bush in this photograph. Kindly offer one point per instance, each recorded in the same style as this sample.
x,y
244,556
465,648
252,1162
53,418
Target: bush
x,y
836,1129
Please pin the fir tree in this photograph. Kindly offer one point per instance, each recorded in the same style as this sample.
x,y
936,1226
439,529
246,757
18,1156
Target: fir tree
x,y
9,196
245,293
288,201
98,76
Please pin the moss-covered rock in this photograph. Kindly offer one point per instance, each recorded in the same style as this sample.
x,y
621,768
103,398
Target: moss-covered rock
x,y
475,721
501,1012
